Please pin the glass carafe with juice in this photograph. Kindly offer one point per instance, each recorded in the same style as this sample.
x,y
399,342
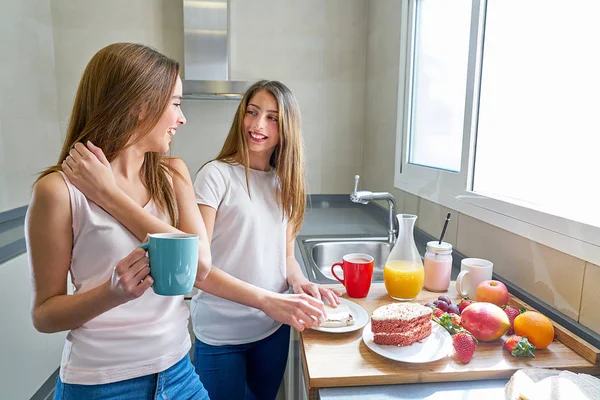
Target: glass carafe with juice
x,y
403,272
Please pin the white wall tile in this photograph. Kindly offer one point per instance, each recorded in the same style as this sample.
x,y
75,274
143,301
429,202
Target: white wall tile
x,y
29,141
553,277
24,153
338,179
318,49
410,203
202,137
589,315
383,46
29,137
314,179
83,27
432,217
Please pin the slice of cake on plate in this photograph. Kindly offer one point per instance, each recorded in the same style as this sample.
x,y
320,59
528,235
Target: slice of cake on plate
x,y
337,317
401,324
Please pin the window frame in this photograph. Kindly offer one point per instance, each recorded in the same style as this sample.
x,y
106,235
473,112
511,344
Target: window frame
x,y
455,190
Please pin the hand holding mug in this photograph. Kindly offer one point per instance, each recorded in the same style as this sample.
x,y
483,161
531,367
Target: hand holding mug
x,y
173,262
130,278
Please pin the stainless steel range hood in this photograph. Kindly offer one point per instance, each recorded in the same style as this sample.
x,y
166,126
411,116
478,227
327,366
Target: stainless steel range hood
x,y
206,52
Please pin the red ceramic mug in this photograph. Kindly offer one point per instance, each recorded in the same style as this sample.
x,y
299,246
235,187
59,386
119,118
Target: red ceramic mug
x,y
358,273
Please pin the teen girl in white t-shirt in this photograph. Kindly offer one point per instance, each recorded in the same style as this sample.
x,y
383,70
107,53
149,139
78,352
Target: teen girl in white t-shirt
x,y
252,200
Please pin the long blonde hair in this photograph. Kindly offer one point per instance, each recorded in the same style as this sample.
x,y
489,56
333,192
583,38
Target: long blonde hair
x,y
121,82
288,157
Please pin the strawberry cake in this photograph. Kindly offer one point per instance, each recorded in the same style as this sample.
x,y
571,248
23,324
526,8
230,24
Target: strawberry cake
x,y
401,324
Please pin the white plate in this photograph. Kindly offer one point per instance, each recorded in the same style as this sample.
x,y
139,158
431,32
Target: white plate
x,y
361,318
436,346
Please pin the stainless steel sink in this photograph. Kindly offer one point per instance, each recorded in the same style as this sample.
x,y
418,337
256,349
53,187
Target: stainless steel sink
x,y
319,253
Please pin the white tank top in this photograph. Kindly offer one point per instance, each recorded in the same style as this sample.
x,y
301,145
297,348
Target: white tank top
x,y
141,337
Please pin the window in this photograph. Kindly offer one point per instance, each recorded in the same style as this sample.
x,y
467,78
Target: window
x,y
553,121
439,83
497,115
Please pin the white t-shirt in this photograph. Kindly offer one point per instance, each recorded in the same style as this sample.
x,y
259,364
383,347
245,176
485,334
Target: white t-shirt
x,y
248,242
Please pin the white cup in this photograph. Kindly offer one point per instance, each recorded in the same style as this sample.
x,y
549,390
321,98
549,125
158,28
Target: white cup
x,y
473,271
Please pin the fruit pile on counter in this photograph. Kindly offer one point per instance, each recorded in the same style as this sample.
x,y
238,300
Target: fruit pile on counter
x,y
489,318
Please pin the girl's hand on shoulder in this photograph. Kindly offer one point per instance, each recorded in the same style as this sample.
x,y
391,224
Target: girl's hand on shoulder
x,y
300,311
131,277
304,286
89,170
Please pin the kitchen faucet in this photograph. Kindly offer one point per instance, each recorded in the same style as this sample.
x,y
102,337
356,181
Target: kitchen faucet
x,y
365,196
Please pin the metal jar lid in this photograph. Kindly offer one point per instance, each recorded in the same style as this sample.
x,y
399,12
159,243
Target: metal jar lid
x,y
436,247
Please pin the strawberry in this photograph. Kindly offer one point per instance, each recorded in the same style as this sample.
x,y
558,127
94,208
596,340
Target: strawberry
x,y
437,312
464,303
512,313
519,346
465,345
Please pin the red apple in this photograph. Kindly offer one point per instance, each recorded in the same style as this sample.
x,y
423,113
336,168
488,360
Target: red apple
x,y
492,292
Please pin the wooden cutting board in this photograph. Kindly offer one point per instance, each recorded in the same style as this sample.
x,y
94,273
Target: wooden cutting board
x,y
342,359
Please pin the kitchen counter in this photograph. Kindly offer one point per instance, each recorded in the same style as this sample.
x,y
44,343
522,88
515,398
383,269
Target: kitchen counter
x,y
488,389
336,214
331,215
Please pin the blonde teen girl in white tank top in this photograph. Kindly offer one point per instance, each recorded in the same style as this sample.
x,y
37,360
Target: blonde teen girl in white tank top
x,y
123,338
120,169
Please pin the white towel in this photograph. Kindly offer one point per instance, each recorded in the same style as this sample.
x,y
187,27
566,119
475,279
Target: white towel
x,y
547,384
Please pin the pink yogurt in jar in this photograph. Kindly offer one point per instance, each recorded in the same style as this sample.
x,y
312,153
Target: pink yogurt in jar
x,y
438,266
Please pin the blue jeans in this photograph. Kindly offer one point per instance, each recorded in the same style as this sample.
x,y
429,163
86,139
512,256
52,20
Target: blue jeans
x,y
245,371
178,382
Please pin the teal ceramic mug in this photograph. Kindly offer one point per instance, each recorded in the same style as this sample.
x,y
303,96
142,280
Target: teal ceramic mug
x,y
173,262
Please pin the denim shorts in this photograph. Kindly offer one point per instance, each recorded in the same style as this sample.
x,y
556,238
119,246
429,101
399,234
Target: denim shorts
x,y
180,382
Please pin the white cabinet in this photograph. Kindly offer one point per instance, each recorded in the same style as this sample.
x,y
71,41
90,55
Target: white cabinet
x,y
295,387
27,358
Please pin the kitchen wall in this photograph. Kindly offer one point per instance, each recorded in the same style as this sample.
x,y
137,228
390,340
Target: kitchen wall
x,y
29,141
383,52
81,28
29,132
564,282
316,48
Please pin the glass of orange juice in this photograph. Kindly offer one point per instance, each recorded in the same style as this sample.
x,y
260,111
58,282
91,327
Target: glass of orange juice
x,y
403,279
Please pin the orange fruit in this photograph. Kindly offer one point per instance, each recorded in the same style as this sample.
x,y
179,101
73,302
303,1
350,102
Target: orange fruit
x,y
537,328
